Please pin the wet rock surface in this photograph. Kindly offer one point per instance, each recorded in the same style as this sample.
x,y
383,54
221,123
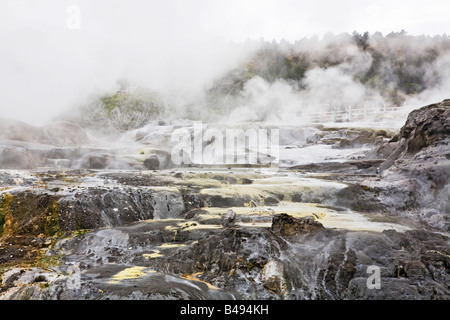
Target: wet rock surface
x,y
164,243
310,231
415,177
407,175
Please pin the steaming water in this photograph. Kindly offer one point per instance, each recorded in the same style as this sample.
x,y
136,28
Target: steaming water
x,y
115,254
136,145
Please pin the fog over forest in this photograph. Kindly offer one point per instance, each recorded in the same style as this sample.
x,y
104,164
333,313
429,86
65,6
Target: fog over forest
x,y
281,81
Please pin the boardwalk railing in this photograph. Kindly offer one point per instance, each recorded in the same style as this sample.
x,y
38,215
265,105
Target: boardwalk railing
x,y
333,114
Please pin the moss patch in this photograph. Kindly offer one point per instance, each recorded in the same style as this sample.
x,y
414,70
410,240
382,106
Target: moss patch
x,y
51,220
47,261
29,214
5,214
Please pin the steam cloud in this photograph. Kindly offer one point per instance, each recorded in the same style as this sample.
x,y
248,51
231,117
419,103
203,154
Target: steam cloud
x,y
412,72
48,69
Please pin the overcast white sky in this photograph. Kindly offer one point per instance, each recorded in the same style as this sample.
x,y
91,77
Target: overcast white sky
x,y
235,19
45,66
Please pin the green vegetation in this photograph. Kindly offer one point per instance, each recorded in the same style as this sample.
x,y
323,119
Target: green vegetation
x,y
123,110
51,220
47,261
5,213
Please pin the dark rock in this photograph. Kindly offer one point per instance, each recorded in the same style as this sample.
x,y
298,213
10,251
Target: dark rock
x,y
100,207
358,137
286,225
418,167
98,162
152,163
193,213
360,198
178,175
225,179
224,201
349,137
297,197
191,199
229,218
164,158
351,166
424,127
271,201
427,125
40,278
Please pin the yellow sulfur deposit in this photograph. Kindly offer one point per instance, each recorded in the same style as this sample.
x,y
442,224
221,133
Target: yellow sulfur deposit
x,y
130,273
